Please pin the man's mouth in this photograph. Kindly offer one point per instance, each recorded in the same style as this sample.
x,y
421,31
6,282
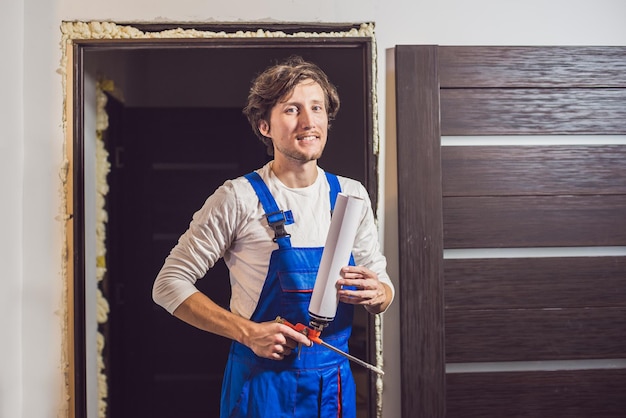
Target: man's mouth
x,y
307,138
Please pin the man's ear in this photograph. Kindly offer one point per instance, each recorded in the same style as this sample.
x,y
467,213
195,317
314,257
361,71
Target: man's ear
x,y
264,128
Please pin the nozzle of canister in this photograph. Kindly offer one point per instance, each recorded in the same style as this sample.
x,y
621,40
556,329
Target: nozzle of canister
x,y
319,323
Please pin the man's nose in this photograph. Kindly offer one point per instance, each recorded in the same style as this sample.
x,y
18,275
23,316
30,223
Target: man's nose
x,y
307,119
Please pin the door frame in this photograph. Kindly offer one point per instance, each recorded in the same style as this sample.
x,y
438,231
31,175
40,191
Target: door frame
x,y
80,38
420,235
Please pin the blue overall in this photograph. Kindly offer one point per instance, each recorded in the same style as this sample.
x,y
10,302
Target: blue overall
x,y
316,382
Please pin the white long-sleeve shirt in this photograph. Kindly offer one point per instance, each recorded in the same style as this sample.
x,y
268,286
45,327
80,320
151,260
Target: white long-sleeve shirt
x,y
231,224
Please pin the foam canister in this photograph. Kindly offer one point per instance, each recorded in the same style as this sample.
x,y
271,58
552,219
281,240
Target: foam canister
x,y
336,254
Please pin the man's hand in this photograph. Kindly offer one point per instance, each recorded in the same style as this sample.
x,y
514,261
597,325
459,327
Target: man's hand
x,y
368,290
274,340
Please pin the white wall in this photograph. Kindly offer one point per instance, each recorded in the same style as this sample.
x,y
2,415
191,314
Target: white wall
x,y
11,209
31,141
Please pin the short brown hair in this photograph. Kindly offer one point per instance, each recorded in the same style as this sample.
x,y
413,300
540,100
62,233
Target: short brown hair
x,y
277,82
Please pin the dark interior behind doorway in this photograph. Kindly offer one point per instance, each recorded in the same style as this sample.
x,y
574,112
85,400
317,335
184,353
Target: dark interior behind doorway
x,y
167,160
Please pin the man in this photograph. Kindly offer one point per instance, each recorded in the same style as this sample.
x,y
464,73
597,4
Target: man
x,y
270,227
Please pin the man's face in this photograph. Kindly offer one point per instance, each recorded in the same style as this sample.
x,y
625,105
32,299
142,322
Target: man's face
x,y
299,124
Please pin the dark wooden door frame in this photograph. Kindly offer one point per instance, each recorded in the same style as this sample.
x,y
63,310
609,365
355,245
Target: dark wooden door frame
x,y
420,233
76,217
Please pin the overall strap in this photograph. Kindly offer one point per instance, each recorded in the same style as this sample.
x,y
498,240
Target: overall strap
x,y
335,188
276,218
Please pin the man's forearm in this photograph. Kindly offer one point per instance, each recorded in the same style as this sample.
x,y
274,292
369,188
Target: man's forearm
x,y
270,339
203,313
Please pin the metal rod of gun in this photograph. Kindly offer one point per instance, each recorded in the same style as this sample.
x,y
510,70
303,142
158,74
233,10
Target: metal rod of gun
x,y
314,335
355,359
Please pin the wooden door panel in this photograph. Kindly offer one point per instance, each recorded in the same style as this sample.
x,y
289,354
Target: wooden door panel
x,y
527,66
534,221
533,170
536,334
553,394
532,283
533,111
502,310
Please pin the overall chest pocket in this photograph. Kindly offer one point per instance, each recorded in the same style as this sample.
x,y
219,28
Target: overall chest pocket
x,y
297,287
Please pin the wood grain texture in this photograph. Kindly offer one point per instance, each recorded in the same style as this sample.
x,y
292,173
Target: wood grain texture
x,y
520,66
515,197
420,235
534,170
534,221
517,283
535,334
533,111
556,394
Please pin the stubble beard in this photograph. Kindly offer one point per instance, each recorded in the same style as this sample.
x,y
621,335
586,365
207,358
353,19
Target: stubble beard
x,y
299,156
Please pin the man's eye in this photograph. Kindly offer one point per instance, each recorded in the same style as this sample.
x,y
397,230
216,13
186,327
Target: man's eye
x,y
291,110
318,108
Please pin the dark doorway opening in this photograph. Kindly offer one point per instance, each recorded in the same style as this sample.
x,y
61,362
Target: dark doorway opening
x,y
177,135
